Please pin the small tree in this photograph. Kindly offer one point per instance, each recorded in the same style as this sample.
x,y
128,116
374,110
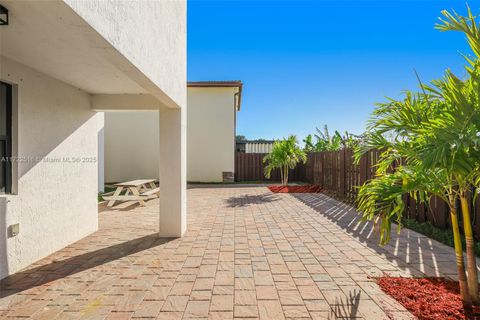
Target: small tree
x,y
435,139
285,155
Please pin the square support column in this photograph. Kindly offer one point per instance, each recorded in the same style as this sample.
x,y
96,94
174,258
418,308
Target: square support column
x,y
101,151
173,172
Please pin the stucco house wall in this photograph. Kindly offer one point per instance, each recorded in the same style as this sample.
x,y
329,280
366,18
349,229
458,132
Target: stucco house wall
x,y
61,57
131,150
150,35
131,145
210,133
55,200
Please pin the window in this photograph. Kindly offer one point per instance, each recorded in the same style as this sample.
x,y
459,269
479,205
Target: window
x,y
5,138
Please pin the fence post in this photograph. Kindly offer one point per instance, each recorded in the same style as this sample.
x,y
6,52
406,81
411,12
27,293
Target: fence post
x,y
235,168
319,163
260,166
314,158
363,168
342,174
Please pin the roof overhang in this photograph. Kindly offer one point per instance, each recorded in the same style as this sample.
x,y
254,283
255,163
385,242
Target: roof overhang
x,y
221,84
50,37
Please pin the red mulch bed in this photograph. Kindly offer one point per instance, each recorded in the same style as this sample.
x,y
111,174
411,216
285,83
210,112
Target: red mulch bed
x,y
296,189
428,298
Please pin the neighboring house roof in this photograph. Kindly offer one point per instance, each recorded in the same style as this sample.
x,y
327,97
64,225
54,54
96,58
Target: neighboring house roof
x,y
221,84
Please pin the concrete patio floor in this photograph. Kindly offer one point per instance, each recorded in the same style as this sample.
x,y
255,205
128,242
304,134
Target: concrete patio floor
x,y
248,253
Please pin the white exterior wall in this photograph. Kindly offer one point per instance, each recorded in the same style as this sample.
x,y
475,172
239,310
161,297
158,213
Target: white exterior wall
x,y
173,172
210,133
131,145
150,34
101,152
132,148
55,203
60,55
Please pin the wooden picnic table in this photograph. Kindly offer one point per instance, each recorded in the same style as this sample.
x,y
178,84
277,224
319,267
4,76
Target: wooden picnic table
x,y
136,190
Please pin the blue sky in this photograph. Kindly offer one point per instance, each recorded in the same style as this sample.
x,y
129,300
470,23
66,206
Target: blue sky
x,y
309,63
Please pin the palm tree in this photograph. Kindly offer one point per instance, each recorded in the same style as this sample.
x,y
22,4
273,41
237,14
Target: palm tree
x,y
435,136
456,148
381,199
285,155
462,130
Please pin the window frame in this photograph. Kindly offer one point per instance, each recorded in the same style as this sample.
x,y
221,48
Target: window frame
x,y
7,139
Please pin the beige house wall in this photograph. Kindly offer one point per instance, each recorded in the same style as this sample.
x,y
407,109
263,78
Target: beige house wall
x,y
132,148
210,133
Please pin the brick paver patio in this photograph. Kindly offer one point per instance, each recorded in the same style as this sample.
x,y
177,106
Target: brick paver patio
x,y
248,253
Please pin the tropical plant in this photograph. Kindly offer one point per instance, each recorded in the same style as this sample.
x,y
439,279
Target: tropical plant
x,y
309,144
326,142
285,155
435,146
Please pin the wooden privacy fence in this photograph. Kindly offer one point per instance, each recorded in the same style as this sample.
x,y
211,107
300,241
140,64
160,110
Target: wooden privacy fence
x,y
336,172
250,167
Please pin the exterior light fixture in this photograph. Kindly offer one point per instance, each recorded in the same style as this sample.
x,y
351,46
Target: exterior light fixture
x,y
3,16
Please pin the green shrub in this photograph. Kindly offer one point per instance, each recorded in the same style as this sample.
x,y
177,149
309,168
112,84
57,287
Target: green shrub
x,y
444,236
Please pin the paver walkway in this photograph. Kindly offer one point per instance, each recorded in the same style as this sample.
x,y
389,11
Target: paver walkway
x,y
248,253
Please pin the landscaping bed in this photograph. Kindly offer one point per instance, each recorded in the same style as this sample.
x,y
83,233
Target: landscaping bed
x,y
296,189
428,298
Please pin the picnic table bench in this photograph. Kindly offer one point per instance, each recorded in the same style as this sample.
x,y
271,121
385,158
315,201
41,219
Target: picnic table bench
x,y
136,190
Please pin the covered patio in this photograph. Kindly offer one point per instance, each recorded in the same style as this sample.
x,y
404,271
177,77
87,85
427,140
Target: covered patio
x,y
247,253
62,65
